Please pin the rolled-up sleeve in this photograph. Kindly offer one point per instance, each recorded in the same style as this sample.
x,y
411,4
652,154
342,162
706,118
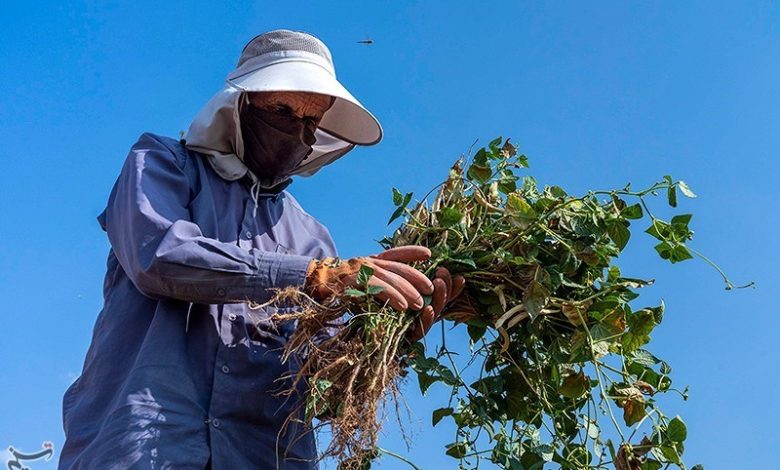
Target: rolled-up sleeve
x,y
165,254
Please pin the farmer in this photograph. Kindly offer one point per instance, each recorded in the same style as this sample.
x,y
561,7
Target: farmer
x,y
181,369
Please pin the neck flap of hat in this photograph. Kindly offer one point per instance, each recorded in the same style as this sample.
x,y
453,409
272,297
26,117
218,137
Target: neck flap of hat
x,y
216,132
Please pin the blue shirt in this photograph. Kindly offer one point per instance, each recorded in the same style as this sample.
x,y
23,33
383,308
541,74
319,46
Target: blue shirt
x,y
180,369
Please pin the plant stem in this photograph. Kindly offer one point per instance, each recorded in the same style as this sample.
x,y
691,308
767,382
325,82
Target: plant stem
x,y
399,457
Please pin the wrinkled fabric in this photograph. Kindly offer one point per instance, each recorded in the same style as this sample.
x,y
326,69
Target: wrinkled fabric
x,y
180,370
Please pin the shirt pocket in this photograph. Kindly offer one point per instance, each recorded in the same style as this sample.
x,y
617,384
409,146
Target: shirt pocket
x,y
270,333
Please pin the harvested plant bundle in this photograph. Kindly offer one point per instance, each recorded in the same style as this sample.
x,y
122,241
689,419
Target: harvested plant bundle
x,y
556,350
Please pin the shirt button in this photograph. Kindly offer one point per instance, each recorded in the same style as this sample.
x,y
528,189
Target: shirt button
x,y
232,317
215,422
226,369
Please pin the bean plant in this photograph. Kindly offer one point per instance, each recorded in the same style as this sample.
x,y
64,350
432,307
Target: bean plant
x,y
557,372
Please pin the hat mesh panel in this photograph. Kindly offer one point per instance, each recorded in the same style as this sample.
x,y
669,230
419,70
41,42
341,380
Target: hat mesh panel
x,y
284,40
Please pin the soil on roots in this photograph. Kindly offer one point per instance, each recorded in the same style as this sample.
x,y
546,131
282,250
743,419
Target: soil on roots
x,y
350,365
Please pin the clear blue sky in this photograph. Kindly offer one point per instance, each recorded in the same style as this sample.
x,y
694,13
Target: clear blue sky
x,y
596,96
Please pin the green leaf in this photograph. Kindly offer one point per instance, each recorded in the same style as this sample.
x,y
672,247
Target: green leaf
x,y
632,212
351,292
425,364
644,357
672,196
698,466
577,457
685,189
516,404
397,197
416,351
659,229
530,461
651,464
479,173
310,409
545,451
530,185
519,207
396,214
364,275
457,450
618,233
611,447
476,332
450,216
323,384
682,219
679,253
535,298
439,414
521,161
640,324
425,381
446,375
664,250
374,290
602,331
507,183
556,191
495,143
480,158
670,454
401,202
467,261
677,431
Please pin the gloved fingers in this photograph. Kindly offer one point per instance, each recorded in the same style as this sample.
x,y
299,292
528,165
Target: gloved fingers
x,y
414,333
413,298
421,324
428,317
405,254
413,276
439,299
444,274
388,294
458,283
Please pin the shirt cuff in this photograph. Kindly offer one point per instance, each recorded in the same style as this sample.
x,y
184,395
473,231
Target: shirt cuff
x,y
290,271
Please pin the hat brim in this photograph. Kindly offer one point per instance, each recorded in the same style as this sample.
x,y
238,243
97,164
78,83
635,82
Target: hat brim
x,y
346,119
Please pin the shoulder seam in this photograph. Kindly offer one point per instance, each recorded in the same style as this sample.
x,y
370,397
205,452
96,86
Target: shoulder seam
x,y
181,159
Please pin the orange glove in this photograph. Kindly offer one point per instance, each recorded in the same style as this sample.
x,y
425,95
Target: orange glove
x,y
445,289
403,286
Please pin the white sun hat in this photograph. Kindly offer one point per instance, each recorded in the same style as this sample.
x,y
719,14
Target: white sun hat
x,y
282,60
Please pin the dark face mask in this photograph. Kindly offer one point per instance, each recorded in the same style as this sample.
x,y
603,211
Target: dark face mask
x,y
274,144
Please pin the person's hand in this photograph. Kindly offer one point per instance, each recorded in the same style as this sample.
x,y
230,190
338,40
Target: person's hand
x,y
402,285
445,289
